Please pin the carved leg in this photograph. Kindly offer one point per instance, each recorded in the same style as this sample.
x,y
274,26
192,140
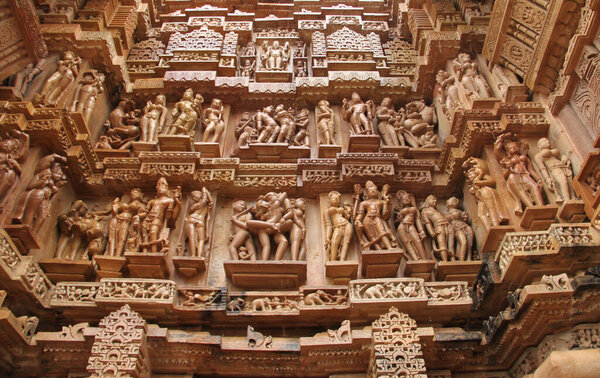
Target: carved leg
x,y
282,245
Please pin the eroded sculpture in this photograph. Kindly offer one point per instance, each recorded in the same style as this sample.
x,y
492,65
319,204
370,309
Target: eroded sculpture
x,y
370,217
124,222
555,170
34,205
185,114
196,223
274,56
273,219
338,227
57,84
159,216
482,185
90,86
154,118
522,181
438,228
122,126
410,227
14,145
213,122
359,114
325,123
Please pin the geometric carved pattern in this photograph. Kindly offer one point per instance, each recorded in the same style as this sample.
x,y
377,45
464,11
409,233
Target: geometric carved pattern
x,y
120,348
347,40
396,347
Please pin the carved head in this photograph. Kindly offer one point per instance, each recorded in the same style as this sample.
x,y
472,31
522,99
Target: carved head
x,y
543,144
324,103
68,55
196,195
239,206
161,99
404,197
276,44
356,97
464,57
135,194
188,94
452,203
334,198
431,201
371,190
162,186
216,103
300,203
268,109
386,102
9,145
56,171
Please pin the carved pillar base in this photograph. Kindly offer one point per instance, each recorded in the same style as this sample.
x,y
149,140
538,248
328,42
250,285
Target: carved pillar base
x,y
420,269
266,274
572,211
385,263
144,146
273,152
273,76
208,149
494,237
68,270
341,271
110,266
458,271
102,153
189,266
23,236
329,150
538,218
147,265
364,143
402,151
175,142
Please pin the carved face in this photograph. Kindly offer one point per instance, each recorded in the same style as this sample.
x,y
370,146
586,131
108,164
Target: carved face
x,y
543,144
268,109
431,201
135,194
276,45
372,192
196,195
452,203
216,103
324,103
512,148
386,102
161,99
301,204
188,94
404,199
162,187
356,97
334,198
8,145
239,206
